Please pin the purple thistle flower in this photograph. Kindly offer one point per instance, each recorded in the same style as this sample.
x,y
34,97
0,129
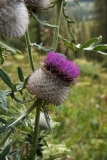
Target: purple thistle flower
x,y
59,65
51,82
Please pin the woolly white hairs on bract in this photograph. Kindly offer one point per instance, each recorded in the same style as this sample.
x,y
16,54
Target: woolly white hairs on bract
x,y
14,19
38,3
45,86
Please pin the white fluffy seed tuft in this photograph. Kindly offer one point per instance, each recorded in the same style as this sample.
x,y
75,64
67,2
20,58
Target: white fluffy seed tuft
x,y
14,19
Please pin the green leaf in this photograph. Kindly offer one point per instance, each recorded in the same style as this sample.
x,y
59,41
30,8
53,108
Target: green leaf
x,y
7,126
3,120
68,44
3,100
5,78
101,47
5,151
18,86
2,60
69,20
2,129
7,92
20,74
9,48
91,43
1,51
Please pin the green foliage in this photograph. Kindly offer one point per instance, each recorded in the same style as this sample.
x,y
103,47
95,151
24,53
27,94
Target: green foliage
x,y
82,132
5,151
90,45
83,119
89,69
20,74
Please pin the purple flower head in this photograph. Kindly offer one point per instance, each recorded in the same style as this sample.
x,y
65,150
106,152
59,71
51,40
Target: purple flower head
x,y
60,66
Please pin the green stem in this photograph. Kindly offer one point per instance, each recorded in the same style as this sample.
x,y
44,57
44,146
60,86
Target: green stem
x,y
29,49
19,119
36,127
35,137
57,23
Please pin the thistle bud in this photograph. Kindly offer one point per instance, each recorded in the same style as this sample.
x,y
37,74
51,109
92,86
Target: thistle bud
x,y
13,19
43,123
38,3
51,82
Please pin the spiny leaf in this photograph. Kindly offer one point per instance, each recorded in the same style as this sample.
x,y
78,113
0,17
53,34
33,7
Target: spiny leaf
x,y
91,42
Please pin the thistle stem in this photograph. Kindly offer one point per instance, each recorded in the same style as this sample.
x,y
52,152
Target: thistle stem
x,y
57,23
29,49
36,125
35,137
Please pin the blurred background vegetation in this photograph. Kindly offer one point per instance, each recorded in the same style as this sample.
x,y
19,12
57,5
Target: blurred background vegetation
x,y
83,117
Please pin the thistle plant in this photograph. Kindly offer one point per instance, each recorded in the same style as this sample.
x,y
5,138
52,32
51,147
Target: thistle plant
x,y
51,82
48,85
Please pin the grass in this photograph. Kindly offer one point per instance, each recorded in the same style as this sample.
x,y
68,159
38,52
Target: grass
x,y
83,117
